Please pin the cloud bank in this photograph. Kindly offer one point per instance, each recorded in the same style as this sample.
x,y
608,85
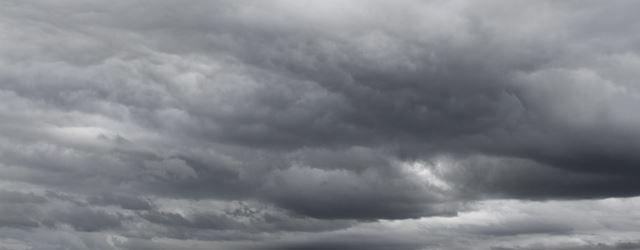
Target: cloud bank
x,y
319,124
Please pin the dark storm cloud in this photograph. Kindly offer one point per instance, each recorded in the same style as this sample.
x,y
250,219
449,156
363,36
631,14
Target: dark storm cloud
x,y
146,119
523,178
343,194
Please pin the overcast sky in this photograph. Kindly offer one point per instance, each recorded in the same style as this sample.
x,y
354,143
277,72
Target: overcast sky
x,y
319,125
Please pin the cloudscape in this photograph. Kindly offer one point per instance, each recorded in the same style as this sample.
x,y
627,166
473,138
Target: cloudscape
x,y
319,125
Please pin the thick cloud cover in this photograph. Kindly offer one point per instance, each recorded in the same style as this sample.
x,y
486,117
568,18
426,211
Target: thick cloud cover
x,y
334,124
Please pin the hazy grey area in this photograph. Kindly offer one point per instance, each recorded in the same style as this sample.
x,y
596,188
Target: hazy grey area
x,y
317,125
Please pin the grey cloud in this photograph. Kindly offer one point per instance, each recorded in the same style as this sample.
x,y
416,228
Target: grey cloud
x,y
602,246
27,210
20,197
125,202
341,194
351,244
330,115
19,216
202,221
87,219
526,179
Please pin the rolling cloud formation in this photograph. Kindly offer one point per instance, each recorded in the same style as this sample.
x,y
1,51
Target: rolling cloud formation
x,y
283,124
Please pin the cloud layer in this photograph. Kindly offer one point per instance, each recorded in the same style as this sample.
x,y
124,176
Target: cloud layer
x,y
319,124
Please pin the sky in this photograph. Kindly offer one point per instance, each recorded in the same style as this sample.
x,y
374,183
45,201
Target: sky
x,y
319,125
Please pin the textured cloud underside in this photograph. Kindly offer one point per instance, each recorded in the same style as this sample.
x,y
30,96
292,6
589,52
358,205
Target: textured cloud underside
x,y
319,124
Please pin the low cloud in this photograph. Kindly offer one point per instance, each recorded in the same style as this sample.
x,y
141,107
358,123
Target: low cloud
x,y
317,125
